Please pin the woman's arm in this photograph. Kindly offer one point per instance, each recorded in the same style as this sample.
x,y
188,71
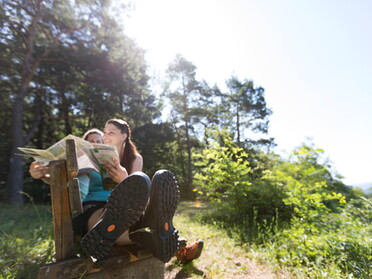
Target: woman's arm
x,y
118,173
39,171
137,163
84,179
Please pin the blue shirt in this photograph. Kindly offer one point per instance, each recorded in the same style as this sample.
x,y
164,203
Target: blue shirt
x,y
91,187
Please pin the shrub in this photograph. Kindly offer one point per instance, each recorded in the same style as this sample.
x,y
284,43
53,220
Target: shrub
x,y
336,246
241,202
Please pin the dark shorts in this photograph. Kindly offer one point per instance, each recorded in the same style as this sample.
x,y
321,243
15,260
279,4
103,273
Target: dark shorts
x,y
79,223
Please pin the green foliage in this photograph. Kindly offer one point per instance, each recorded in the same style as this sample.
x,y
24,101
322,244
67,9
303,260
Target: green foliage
x,y
74,68
37,191
305,182
241,201
182,91
67,67
160,149
293,210
156,143
335,246
26,240
247,106
224,178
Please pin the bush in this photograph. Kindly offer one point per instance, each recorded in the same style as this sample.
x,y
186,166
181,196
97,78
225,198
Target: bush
x,y
295,211
336,246
241,201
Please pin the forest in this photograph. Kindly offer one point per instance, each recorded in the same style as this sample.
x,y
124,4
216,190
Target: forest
x,y
68,66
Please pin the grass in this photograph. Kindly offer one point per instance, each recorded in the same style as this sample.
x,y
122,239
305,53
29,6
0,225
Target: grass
x,y
26,242
222,257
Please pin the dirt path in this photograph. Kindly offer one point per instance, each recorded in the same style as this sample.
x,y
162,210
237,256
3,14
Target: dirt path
x,y
238,268
221,257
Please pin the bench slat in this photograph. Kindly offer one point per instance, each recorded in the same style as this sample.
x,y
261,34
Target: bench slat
x,y
63,235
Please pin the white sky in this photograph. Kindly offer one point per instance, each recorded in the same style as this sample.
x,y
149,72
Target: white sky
x,y
313,57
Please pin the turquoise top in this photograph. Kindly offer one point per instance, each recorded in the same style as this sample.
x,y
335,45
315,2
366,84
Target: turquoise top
x,y
91,187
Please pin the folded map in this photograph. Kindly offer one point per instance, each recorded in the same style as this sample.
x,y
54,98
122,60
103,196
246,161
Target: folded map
x,y
88,155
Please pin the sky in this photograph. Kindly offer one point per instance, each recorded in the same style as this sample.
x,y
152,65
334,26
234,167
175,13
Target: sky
x,y
312,57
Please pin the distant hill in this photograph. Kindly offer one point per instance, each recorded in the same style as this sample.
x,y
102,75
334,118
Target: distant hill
x,y
366,187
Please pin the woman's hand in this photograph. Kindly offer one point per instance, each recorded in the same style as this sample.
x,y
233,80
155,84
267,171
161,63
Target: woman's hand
x,y
116,171
38,171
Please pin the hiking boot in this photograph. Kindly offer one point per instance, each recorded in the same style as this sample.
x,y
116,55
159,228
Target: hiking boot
x,y
182,242
124,207
155,230
190,252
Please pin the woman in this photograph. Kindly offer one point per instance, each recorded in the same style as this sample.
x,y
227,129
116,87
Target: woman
x,y
93,136
109,215
116,132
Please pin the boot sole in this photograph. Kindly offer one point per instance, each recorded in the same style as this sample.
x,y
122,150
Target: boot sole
x,y
124,207
163,239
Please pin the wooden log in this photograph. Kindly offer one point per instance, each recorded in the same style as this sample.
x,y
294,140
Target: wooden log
x,y
70,268
150,268
121,266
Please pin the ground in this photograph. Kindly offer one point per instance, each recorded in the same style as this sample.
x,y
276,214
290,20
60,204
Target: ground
x,y
222,257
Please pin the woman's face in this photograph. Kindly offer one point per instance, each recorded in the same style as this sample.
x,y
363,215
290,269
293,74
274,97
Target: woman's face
x,y
94,138
113,136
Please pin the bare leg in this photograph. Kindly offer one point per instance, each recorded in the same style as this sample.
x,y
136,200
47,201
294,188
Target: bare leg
x,y
125,206
93,219
124,239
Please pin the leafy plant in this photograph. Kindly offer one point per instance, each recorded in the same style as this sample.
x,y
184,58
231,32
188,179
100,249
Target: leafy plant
x,y
295,212
241,201
336,246
305,182
26,240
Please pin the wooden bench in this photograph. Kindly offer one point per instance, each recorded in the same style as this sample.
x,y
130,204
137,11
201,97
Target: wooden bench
x,y
124,262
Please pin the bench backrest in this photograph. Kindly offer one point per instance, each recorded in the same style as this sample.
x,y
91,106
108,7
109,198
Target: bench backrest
x,y
66,203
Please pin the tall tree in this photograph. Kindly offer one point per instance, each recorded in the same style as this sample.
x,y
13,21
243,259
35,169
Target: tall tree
x,y
182,91
54,48
247,105
156,142
208,111
23,31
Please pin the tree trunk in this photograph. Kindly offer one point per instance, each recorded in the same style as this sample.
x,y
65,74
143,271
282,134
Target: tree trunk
x,y
64,104
189,162
30,64
180,152
15,175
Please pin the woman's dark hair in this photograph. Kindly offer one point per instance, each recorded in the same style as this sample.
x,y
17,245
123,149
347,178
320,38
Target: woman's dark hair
x,y
130,150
